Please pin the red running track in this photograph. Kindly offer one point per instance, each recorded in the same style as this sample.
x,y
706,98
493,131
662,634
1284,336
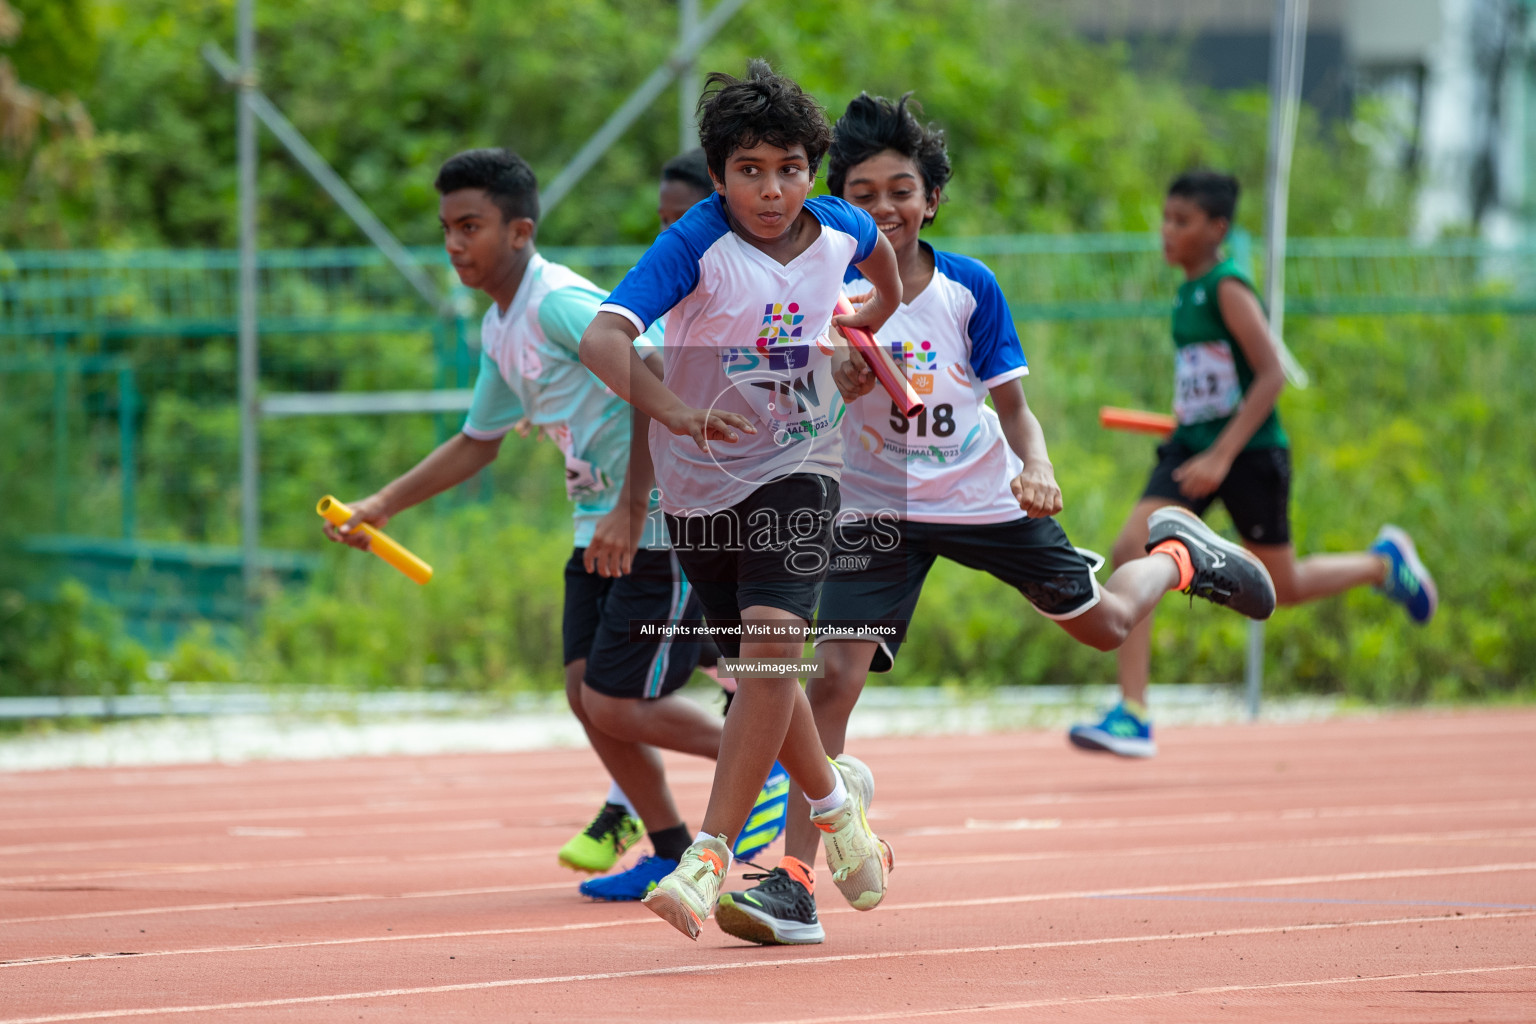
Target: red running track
x,y
1357,870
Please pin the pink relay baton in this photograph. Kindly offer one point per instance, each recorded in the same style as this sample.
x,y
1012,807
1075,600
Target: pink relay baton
x,y
881,362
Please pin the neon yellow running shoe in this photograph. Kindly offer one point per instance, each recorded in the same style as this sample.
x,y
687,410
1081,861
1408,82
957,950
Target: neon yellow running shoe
x,y
857,858
597,847
686,897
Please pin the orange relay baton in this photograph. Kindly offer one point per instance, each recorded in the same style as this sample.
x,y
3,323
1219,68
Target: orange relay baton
x,y
881,362
379,542
1137,421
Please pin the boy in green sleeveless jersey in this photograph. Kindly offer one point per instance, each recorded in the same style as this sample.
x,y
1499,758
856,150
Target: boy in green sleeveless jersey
x,y
1229,444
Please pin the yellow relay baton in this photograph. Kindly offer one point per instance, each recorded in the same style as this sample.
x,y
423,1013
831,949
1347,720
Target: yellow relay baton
x,y
379,542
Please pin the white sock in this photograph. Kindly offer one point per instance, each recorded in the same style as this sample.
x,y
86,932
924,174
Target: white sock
x,y
730,858
833,800
616,796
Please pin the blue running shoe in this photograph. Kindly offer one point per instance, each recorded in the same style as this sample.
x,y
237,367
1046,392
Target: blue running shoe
x,y
630,884
1408,582
766,821
1120,732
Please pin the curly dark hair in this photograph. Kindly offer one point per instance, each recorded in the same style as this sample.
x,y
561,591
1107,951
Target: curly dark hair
x,y
873,124
1213,191
764,107
503,175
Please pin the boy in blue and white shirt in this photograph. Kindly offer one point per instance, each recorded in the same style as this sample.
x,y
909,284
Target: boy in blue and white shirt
x,y
621,568
958,480
745,441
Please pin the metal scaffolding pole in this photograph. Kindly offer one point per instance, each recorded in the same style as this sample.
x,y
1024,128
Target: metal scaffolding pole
x,y
688,80
1287,49
349,201
250,494
644,95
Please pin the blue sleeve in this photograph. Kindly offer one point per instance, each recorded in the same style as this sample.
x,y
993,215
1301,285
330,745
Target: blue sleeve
x,y
849,219
669,270
494,408
565,313
995,348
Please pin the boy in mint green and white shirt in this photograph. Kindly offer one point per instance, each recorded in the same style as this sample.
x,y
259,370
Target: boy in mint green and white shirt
x,y
621,569
529,371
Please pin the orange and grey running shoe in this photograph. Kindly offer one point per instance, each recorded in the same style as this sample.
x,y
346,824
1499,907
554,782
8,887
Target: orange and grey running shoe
x,y
1225,573
780,910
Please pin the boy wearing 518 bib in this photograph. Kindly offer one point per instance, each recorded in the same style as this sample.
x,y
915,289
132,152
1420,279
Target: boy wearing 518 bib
x,y
960,480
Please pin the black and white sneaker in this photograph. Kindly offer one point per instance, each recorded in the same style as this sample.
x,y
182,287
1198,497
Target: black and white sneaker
x,y
777,911
1224,572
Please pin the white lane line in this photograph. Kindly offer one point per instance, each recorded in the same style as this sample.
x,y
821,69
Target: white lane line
x,y
236,815
909,863
972,825
1252,883
175,869
1478,836
253,832
295,901
162,870
1044,897
775,962
412,937
1213,990
512,809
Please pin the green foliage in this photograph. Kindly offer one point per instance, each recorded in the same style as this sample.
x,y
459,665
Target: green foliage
x,y
57,48
200,657
65,644
1416,420
1050,131
1409,420
490,618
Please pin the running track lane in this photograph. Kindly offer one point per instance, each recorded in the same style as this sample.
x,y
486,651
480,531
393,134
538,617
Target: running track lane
x,y
1356,870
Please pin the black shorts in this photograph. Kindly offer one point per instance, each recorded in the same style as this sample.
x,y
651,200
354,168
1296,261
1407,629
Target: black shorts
x,y
596,625
1256,492
878,572
771,548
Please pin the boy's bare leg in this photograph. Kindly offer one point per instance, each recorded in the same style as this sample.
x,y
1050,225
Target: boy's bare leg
x,y
770,718
636,768
1133,663
1134,655
1317,575
1124,601
672,722
832,698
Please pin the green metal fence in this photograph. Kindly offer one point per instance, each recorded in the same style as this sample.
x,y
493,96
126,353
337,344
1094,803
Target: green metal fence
x,y
117,374
1047,277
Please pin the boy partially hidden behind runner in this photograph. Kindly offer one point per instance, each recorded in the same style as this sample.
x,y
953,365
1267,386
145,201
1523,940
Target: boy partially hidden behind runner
x,y
746,448
1229,445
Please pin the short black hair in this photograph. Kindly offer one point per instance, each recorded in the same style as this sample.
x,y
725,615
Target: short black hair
x,y
873,124
764,107
503,175
690,168
1212,191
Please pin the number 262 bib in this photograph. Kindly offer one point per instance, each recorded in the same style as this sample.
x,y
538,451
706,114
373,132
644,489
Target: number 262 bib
x,y
1205,383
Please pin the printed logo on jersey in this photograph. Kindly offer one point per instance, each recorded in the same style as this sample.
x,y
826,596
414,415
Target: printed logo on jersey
x,y
779,336
919,359
779,344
